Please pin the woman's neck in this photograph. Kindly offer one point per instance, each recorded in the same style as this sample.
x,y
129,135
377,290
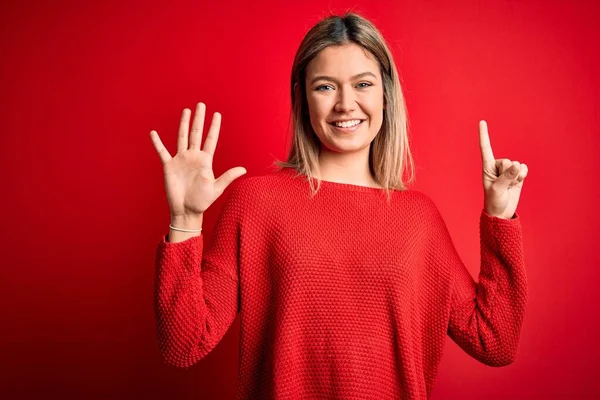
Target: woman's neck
x,y
351,168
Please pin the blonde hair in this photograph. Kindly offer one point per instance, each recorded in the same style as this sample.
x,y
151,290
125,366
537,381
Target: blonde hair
x,y
389,154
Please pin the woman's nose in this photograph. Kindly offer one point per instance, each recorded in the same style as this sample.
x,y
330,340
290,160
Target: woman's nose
x,y
346,100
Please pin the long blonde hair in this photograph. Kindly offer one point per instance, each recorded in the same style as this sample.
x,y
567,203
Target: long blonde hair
x,y
389,154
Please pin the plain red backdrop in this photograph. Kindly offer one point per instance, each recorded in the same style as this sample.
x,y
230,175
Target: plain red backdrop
x,y
83,83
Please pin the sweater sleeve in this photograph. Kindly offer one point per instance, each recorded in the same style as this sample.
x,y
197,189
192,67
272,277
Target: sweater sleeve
x,y
196,291
486,317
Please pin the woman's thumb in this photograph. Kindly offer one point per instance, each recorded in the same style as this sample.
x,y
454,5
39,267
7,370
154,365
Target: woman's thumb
x,y
227,177
507,178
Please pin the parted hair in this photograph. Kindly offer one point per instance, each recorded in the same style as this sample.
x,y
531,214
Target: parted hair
x,y
390,157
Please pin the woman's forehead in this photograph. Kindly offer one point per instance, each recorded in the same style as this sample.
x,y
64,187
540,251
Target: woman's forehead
x,y
342,61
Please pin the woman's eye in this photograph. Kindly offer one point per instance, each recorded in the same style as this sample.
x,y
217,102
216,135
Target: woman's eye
x,y
361,85
322,86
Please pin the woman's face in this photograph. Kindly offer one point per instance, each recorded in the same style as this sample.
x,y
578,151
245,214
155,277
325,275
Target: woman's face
x,y
343,88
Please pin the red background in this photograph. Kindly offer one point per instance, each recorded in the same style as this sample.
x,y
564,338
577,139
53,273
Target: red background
x,y
83,83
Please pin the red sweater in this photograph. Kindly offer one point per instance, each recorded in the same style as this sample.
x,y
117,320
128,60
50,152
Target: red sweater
x,y
341,295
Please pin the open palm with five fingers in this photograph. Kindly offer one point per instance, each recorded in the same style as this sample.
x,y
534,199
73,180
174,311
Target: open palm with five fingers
x,y
189,180
502,179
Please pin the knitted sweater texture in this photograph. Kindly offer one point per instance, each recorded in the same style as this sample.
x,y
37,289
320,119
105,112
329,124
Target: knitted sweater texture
x,y
341,295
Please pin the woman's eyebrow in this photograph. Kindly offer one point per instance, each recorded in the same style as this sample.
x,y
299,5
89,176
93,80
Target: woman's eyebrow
x,y
329,78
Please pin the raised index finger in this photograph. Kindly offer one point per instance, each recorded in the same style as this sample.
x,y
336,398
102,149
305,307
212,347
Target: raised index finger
x,y
487,156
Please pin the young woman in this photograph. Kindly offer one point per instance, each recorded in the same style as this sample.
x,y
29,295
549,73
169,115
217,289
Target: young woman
x,y
346,281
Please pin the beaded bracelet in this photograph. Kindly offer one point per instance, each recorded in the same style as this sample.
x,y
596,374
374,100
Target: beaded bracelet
x,y
185,230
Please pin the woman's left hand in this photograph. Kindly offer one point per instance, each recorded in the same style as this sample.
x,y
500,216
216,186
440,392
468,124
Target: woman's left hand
x,y
502,179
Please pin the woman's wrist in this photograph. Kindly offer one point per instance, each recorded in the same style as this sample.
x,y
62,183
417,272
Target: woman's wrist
x,y
187,228
187,221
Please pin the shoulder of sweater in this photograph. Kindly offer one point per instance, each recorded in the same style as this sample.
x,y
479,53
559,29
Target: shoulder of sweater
x,y
423,200
426,208
256,187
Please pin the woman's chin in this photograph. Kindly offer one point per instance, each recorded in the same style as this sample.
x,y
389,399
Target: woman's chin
x,y
338,147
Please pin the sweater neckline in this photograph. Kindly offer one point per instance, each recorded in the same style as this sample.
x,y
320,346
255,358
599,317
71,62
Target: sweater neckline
x,y
334,185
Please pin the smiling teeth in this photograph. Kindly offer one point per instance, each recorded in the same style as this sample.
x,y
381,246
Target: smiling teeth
x,y
347,124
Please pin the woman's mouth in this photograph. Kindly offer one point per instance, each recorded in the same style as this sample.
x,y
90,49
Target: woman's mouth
x,y
347,126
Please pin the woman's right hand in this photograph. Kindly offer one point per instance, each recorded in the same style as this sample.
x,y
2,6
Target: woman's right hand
x,y
189,180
